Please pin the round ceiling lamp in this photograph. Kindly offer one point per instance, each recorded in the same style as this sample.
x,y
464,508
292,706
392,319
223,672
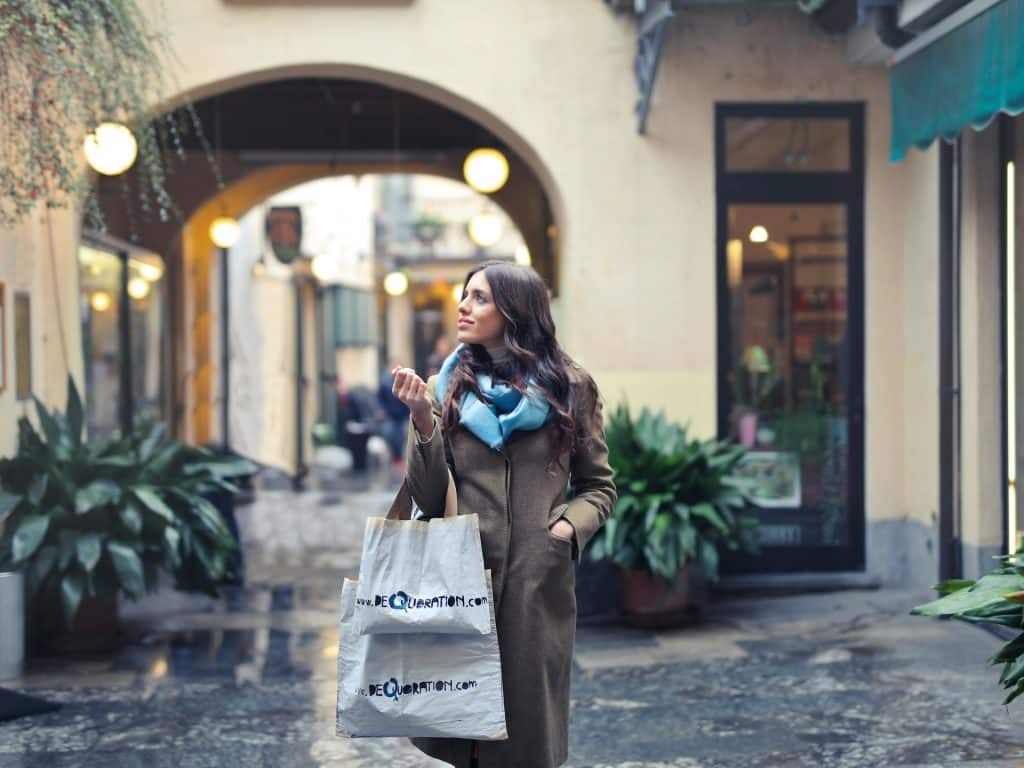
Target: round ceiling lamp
x,y
485,170
224,231
138,288
396,283
485,229
759,234
100,301
111,149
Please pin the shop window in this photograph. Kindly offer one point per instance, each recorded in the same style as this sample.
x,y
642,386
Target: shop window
x,y
787,145
117,353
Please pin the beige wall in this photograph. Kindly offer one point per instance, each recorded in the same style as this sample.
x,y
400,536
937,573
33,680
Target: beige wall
x,y
39,257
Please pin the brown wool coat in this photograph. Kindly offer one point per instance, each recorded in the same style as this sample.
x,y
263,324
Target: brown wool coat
x,y
532,570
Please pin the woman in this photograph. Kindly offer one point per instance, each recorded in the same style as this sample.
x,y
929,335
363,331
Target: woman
x,y
516,421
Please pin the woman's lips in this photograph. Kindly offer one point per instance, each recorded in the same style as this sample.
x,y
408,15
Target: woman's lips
x,y
464,322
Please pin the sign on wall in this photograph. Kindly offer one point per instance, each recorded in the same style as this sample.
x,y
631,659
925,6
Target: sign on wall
x,y
284,232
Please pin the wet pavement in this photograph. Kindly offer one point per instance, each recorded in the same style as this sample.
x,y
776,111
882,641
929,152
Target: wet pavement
x,y
840,679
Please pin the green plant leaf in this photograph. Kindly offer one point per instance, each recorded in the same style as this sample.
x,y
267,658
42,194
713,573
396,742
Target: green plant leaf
x,y
71,587
42,566
707,512
74,413
131,517
222,468
952,585
89,549
128,566
98,493
1009,651
988,590
211,518
37,489
709,560
29,536
50,427
172,540
67,545
152,501
8,502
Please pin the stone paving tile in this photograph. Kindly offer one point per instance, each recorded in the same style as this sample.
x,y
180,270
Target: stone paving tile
x,y
845,680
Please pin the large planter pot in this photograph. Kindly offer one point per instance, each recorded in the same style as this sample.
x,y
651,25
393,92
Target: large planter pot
x,y
94,629
12,628
649,601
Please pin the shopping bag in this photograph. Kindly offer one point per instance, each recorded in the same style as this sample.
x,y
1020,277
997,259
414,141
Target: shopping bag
x,y
439,685
422,575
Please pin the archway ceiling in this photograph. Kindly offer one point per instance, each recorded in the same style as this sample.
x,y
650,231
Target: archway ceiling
x,y
332,115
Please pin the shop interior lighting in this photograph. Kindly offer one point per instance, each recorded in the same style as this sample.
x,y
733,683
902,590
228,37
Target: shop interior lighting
x,y
138,288
111,149
758,234
523,256
146,270
100,301
485,170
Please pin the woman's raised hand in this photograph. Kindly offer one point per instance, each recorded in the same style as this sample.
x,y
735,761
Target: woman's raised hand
x,y
412,390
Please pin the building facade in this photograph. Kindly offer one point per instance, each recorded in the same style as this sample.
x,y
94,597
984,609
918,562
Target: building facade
x,y
755,252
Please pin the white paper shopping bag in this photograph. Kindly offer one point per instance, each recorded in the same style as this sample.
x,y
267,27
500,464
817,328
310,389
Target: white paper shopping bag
x,y
422,575
437,685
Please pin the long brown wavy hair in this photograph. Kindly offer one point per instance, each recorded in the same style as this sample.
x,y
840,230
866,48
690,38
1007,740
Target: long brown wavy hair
x,y
522,299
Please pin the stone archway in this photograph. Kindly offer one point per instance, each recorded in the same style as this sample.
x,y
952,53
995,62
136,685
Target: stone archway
x,y
531,199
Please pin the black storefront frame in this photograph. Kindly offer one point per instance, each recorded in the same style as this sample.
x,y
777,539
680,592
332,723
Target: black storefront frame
x,y
821,188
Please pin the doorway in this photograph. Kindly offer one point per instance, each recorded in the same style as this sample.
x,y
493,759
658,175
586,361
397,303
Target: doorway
x,y
790,181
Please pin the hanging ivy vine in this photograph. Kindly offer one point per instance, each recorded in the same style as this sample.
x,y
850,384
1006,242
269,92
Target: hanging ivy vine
x,y
65,67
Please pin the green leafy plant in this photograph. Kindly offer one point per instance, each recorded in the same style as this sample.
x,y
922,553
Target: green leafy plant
x,y
997,598
679,500
102,517
754,381
428,227
65,67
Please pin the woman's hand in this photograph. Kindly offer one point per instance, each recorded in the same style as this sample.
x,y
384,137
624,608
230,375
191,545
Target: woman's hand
x,y
563,529
412,390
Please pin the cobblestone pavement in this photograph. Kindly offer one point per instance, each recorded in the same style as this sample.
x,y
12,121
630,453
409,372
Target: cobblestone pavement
x,y
841,679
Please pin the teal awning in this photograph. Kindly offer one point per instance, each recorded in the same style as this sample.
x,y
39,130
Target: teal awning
x,y
965,77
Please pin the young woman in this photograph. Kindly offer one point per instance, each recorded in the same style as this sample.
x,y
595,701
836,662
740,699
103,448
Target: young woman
x,y
516,421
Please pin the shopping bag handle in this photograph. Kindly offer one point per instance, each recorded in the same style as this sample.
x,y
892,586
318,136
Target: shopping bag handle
x,y
401,507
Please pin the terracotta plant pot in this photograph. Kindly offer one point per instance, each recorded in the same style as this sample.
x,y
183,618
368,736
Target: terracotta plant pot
x,y
649,601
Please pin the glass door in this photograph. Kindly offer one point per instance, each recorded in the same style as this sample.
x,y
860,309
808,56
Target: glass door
x,y
790,218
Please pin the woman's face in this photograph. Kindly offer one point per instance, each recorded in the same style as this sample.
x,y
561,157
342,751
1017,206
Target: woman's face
x,y
480,322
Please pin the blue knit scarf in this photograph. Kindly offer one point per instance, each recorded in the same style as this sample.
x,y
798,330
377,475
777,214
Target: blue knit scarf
x,y
503,409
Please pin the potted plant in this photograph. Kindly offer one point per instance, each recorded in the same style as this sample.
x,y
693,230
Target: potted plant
x,y
753,382
88,520
679,504
997,598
